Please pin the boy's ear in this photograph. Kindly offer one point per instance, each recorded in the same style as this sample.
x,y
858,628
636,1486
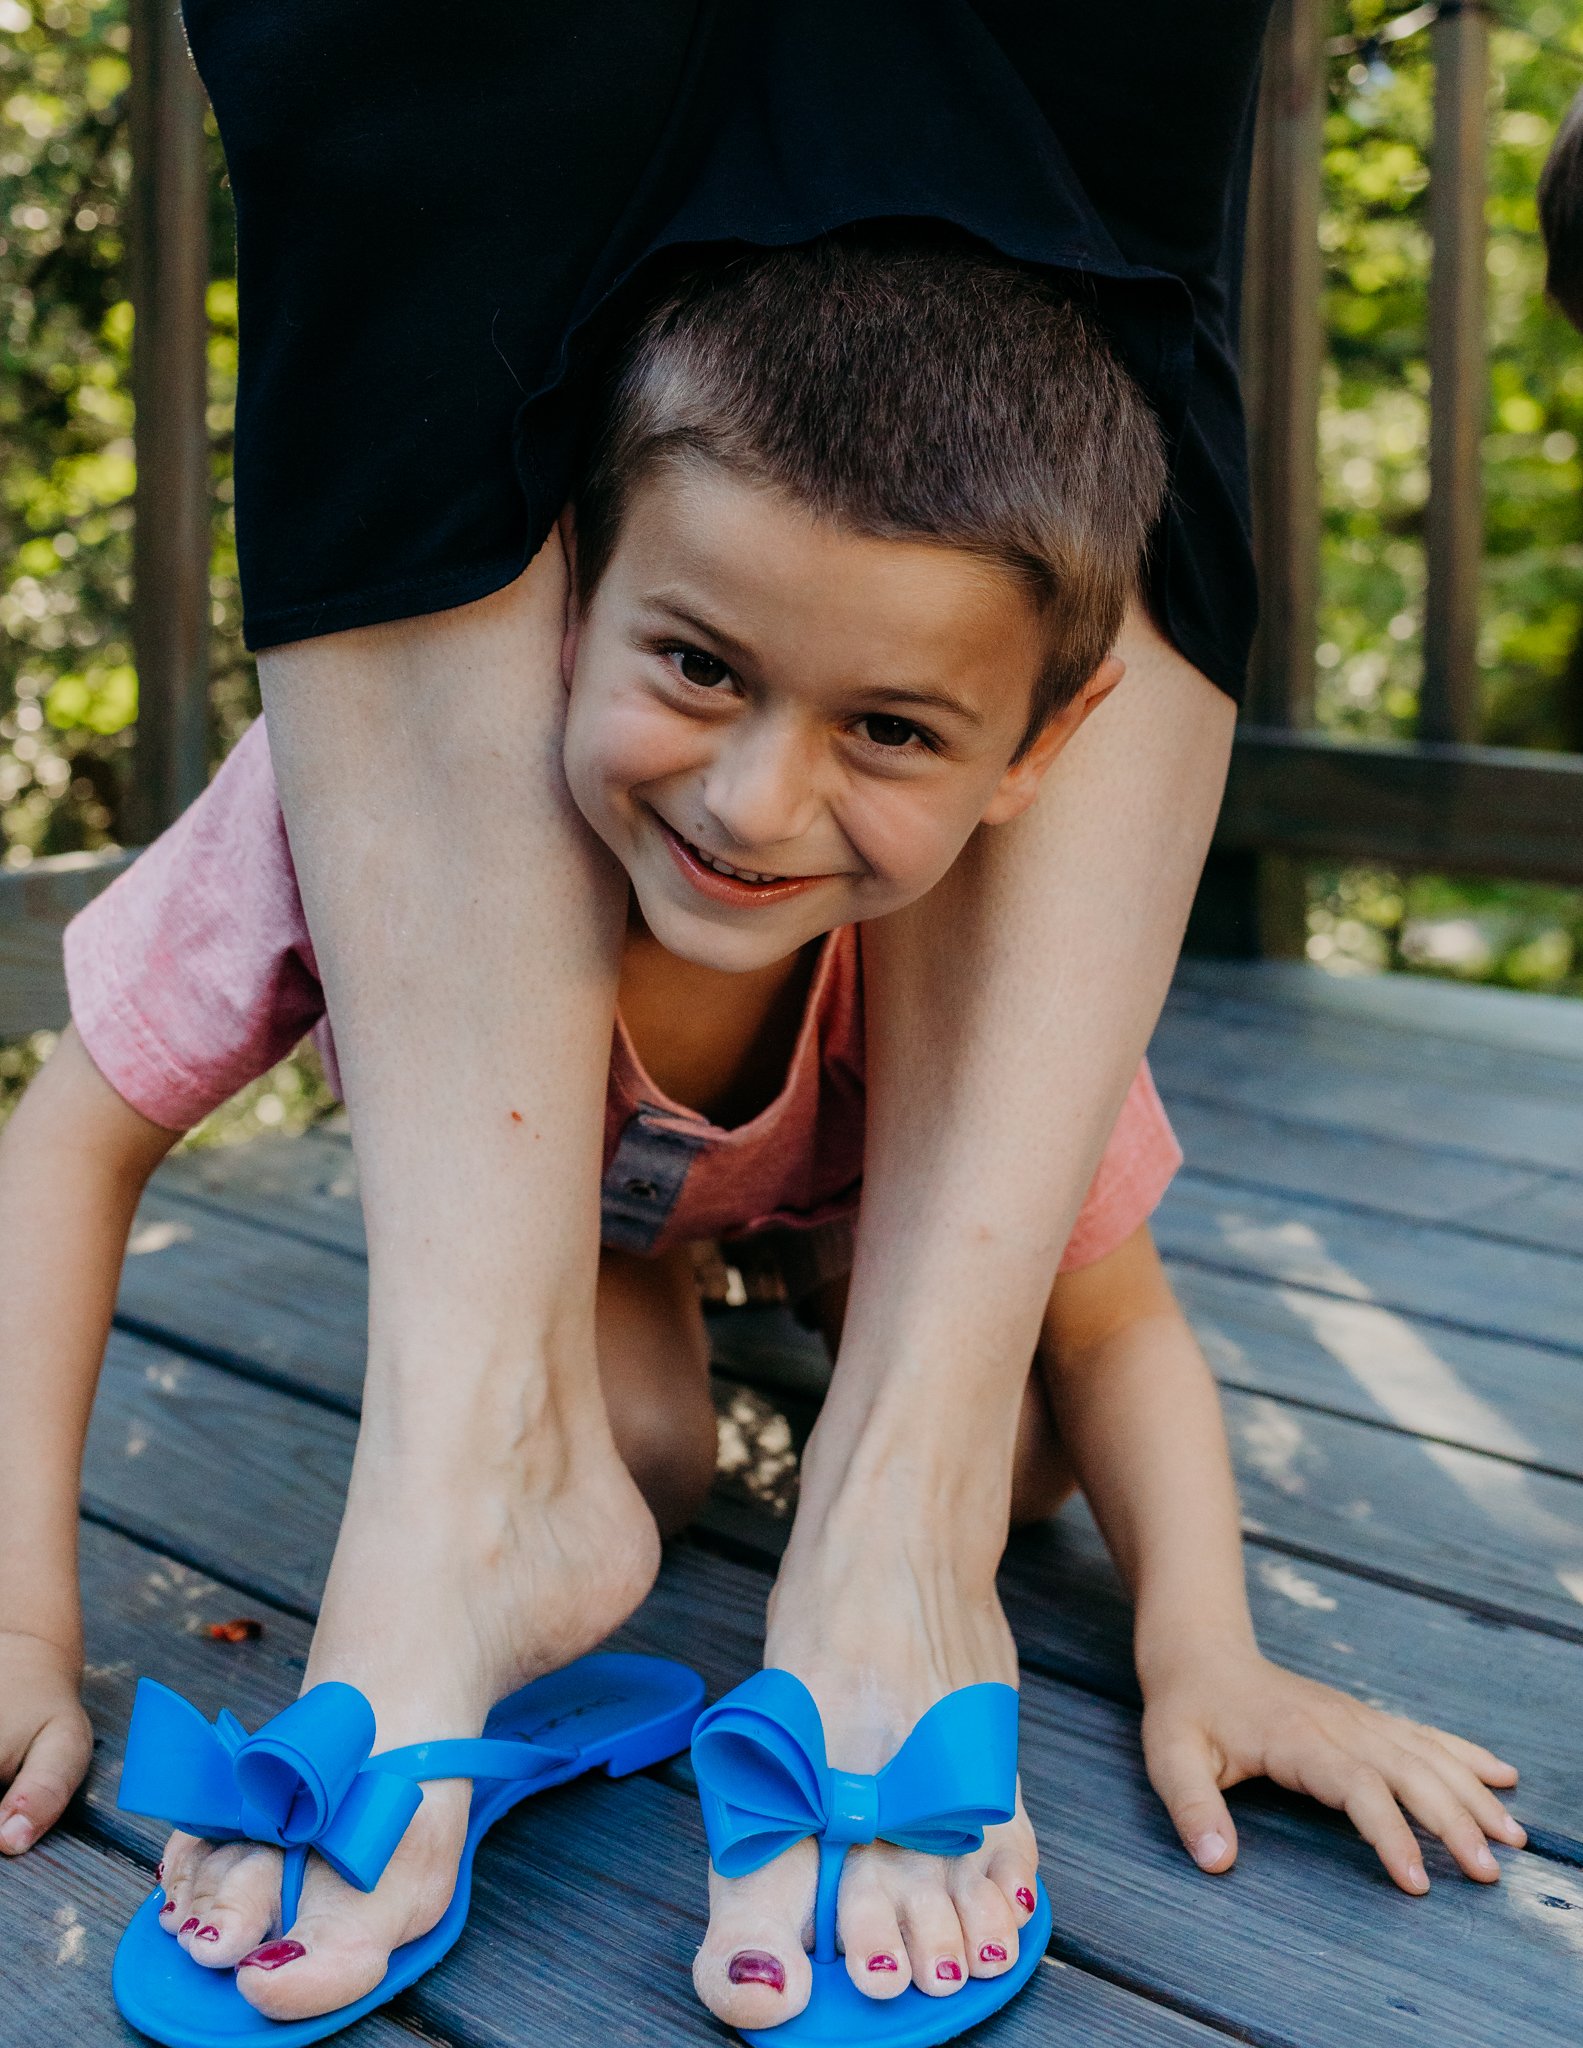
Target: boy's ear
x,y
1020,784
567,525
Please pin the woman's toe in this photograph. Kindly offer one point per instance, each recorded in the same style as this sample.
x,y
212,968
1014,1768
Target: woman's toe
x,y
989,1928
876,1955
235,1909
753,1968
932,1931
1014,1869
326,1961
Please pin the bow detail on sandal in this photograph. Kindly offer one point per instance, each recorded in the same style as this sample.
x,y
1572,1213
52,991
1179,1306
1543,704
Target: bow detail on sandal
x,y
765,1782
306,1780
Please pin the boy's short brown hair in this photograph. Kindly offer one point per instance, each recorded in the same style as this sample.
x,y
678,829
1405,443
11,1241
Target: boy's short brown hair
x,y
910,385
1561,214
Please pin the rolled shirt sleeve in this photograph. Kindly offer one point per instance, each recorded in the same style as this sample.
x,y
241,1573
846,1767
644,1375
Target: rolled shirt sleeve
x,y
193,973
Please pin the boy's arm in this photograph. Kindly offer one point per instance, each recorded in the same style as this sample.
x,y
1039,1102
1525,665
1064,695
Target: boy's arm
x,y
74,1159
1139,1415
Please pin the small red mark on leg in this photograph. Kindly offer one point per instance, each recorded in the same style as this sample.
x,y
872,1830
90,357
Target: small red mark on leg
x,y
516,1116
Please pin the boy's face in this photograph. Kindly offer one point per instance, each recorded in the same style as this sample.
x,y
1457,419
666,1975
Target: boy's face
x,y
828,715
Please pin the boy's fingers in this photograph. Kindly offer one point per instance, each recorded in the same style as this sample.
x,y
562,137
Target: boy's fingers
x,y
1483,1763
1474,1794
1367,1801
53,1768
1431,1801
1182,1772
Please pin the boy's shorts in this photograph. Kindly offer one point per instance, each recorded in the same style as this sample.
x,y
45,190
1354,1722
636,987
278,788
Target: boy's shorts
x,y
194,973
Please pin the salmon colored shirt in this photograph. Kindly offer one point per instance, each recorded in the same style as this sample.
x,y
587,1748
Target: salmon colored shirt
x,y
194,973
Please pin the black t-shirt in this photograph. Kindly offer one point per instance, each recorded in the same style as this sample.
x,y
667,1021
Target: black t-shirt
x,y
440,215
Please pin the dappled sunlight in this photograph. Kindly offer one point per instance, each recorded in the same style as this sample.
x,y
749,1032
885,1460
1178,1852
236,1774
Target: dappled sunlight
x,y
1396,1365
1272,1438
1284,1578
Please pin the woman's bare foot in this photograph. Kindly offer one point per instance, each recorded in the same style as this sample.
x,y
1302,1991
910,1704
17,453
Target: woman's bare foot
x,y
878,1632
455,1580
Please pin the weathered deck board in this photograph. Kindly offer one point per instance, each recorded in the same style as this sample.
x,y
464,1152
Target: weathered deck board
x,y
1420,1183
1479,1284
1477,1527
1486,1096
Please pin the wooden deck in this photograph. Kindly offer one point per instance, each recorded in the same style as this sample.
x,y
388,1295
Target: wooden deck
x,y
1380,1240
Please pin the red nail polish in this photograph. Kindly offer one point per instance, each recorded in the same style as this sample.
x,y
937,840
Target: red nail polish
x,y
208,1934
168,1907
992,1952
883,1962
188,1925
1025,1898
272,1955
949,1971
753,1966
159,1870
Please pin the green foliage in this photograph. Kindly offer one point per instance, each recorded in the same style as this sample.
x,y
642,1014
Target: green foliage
x,y
68,687
1374,423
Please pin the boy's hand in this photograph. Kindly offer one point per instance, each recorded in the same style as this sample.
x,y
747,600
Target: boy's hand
x,y
46,1742
1219,1721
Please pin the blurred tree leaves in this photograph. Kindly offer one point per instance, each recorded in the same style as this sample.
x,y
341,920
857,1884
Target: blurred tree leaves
x,y
68,687
1374,422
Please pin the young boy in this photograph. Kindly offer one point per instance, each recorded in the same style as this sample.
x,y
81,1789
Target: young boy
x,y
848,561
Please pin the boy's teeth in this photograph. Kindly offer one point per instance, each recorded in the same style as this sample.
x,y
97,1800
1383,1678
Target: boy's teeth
x,y
724,867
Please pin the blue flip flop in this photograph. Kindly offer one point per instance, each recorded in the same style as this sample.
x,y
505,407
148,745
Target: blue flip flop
x,y
764,1781
308,1780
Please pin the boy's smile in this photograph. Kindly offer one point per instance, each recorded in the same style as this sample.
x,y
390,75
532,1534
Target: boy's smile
x,y
779,725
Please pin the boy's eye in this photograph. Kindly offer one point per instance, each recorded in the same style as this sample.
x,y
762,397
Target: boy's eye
x,y
888,732
699,668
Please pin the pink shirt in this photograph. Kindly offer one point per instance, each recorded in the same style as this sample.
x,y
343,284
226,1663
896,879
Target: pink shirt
x,y
194,973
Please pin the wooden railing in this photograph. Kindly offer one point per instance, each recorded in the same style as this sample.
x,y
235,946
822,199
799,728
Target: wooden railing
x,y
1442,802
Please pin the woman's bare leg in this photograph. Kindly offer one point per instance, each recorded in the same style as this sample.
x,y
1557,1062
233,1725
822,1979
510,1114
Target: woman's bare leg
x,y
467,929
1007,1014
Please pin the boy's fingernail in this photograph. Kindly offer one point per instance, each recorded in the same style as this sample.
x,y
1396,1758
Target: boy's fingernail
x,y
272,1955
753,1966
1484,1859
1418,1877
1208,1850
1025,1898
16,1834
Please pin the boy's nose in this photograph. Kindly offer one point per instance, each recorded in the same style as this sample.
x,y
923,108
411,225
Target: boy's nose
x,y
761,791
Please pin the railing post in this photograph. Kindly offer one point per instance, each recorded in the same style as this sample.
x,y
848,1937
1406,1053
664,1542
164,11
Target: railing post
x,y
1454,525
1282,347
170,554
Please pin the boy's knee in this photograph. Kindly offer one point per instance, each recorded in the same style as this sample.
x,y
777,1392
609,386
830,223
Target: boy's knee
x,y
669,1444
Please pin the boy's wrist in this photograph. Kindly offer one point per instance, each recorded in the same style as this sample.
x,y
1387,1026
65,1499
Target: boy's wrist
x,y
1168,1647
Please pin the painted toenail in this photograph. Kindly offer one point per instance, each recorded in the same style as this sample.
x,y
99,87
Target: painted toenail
x,y
168,1907
1025,1898
208,1934
949,1971
992,1952
159,1871
753,1966
272,1955
883,1962
188,1925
